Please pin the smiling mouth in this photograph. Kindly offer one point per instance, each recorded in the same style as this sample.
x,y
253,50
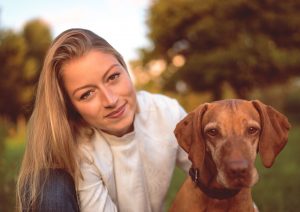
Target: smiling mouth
x,y
117,113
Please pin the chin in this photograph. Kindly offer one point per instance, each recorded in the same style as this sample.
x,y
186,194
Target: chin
x,y
246,181
123,127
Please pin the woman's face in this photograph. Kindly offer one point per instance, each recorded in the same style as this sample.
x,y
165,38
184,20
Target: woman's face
x,y
101,91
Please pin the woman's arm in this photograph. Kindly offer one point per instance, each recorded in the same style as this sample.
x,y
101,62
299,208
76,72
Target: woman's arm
x,y
93,194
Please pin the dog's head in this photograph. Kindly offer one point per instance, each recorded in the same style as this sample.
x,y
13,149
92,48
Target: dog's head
x,y
222,139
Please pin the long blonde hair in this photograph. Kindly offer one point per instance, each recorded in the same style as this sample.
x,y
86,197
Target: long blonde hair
x,y
54,124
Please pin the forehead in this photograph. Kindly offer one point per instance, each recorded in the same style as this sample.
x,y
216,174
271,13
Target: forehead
x,y
93,62
231,111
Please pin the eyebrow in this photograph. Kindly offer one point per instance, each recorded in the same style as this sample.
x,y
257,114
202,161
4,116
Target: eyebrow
x,y
254,123
211,125
90,85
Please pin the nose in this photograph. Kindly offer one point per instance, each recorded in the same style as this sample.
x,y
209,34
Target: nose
x,y
108,98
238,168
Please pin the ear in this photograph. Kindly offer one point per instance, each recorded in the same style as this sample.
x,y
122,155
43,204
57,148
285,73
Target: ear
x,y
189,135
274,134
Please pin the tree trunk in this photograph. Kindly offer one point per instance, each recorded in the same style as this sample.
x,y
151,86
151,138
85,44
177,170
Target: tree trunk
x,y
217,93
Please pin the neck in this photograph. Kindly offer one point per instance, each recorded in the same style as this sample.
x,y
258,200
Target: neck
x,y
212,192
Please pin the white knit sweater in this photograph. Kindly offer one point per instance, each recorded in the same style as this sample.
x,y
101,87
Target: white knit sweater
x,y
133,173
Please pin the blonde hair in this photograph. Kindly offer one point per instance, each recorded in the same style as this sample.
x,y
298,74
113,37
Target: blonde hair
x,y
54,124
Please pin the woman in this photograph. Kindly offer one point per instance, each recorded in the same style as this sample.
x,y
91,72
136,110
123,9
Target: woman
x,y
92,131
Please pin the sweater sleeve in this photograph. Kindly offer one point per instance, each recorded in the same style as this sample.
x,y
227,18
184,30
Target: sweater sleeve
x,y
93,194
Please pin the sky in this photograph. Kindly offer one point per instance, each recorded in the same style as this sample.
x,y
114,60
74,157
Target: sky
x,y
120,22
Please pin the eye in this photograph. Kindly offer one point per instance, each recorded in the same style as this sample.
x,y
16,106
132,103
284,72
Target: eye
x,y
212,132
114,76
252,130
86,95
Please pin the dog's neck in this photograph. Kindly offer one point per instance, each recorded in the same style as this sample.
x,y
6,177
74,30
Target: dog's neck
x,y
206,180
212,192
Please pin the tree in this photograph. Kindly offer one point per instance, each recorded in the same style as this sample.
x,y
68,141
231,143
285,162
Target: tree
x,y
246,44
38,38
12,52
21,57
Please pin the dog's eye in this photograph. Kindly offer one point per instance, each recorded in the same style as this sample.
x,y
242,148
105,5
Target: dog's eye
x,y
252,130
212,132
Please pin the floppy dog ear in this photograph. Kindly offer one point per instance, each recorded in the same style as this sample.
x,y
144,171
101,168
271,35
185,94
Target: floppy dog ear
x,y
189,135
274,134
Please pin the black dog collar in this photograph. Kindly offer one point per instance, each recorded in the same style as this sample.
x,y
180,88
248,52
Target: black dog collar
x,y
216,193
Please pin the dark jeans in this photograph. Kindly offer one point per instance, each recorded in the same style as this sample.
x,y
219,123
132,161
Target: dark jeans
x,y
59,194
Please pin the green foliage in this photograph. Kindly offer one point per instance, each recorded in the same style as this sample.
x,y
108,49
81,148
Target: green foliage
x,y
246,44
12,148
12,51
21,58
38,37
292,105
284,97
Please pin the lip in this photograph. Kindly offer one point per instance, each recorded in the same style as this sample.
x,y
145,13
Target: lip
x,y
117,113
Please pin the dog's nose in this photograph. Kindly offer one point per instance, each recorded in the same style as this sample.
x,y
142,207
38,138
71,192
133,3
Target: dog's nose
x,y
238,168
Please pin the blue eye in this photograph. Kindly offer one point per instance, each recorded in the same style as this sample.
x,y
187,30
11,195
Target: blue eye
x,y
86,95
114,76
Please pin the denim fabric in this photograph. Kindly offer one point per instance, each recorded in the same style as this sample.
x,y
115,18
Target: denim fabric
x,y
59,194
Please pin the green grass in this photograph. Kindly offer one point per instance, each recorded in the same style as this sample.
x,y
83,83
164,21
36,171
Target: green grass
x,y
177,180
278,188
10,160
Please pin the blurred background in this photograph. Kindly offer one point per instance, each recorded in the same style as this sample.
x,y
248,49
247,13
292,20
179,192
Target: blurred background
x,y
193,50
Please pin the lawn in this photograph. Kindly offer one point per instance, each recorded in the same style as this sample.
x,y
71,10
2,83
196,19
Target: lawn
x,y
10,160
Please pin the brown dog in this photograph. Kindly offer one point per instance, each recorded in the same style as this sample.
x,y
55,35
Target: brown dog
x,y
222,139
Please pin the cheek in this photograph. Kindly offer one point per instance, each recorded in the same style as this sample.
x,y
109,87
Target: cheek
x,y
126,87
88,109
215,149
127,90
254,148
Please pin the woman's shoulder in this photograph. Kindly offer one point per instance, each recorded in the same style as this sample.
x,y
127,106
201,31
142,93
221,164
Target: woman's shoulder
x,y
152,100
163,106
